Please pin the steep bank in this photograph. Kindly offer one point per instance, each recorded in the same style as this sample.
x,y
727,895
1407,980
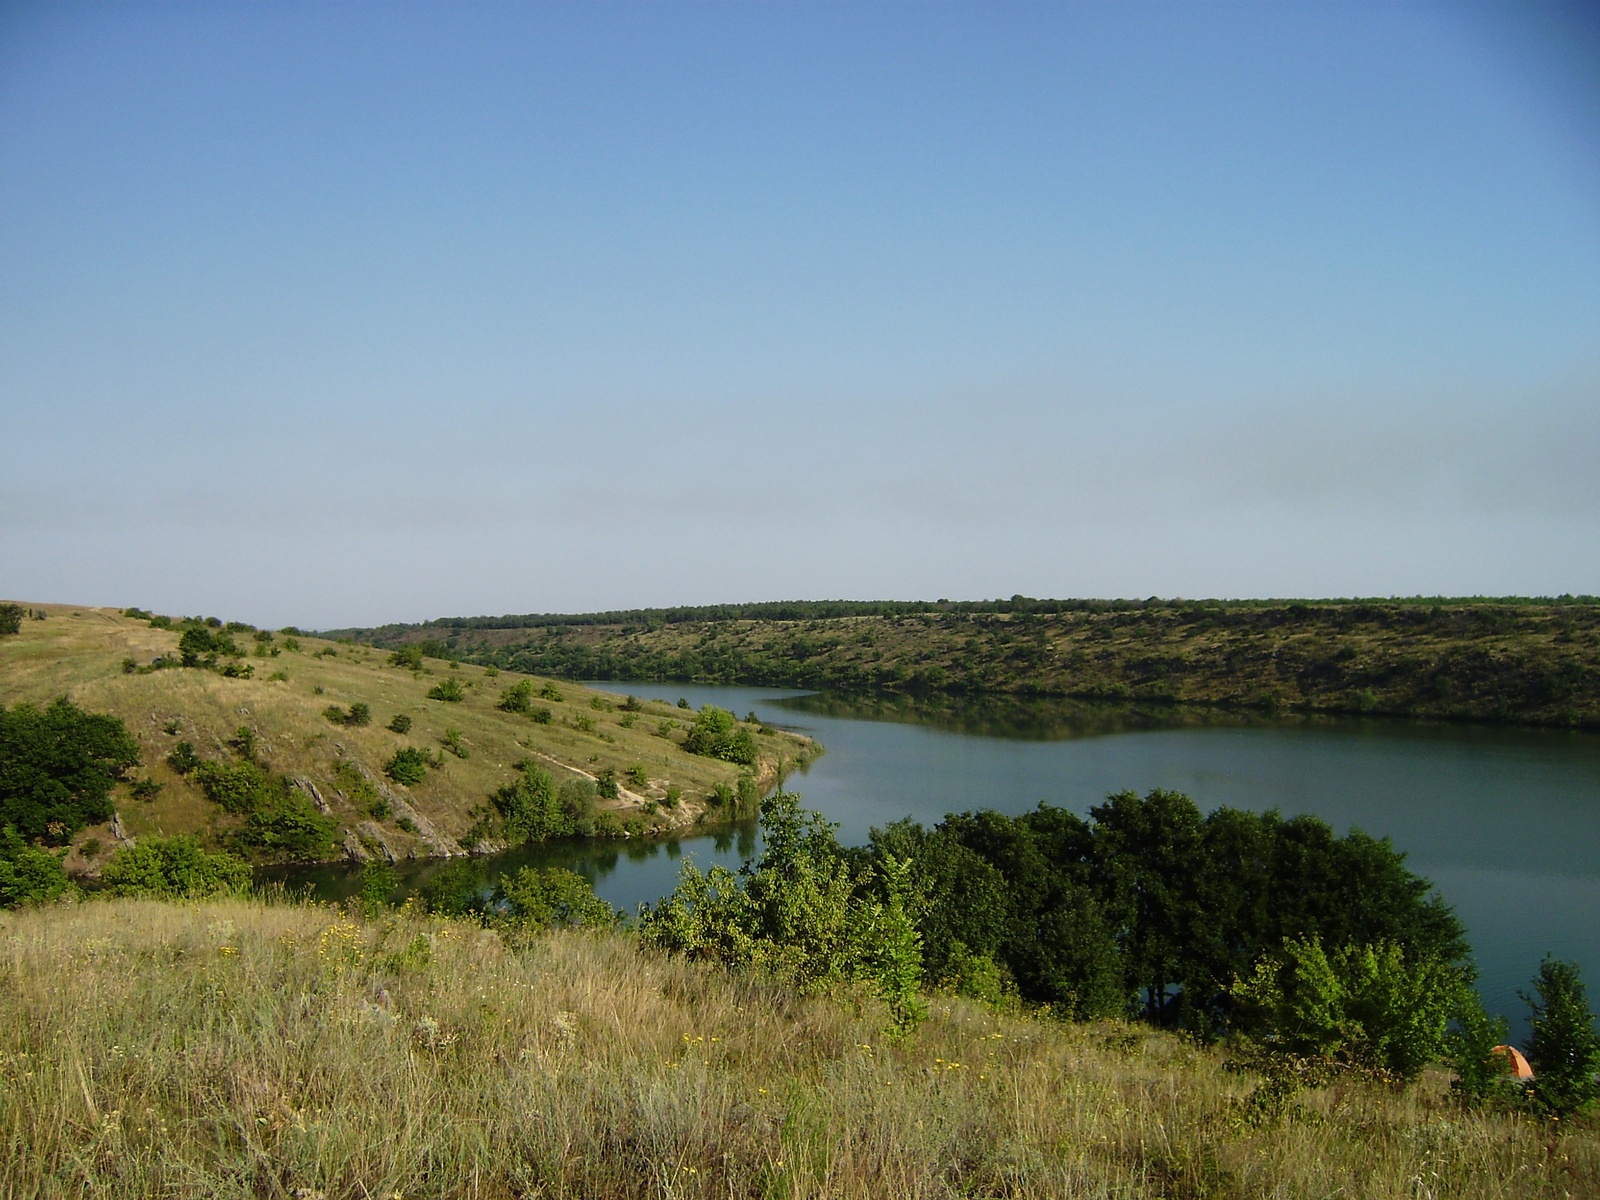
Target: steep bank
x,y
284,689
1535,663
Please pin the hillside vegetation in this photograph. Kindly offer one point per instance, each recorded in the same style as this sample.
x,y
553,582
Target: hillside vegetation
x,y
1534,662
236,1048
281,745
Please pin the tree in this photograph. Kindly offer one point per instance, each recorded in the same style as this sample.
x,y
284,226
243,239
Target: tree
x,y
1563,1047
407,765
173,867
449,690
57,769
552,898
10,619
28,874
716,734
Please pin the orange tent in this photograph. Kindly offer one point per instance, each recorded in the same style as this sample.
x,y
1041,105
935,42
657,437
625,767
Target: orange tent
x,y
1519,1068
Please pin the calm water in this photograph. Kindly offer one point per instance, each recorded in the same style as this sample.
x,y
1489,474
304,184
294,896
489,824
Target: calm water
x,y
1505,822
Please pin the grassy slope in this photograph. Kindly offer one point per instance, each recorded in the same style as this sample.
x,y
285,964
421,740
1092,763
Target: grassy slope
x,y
1490,661
233,1049
79,651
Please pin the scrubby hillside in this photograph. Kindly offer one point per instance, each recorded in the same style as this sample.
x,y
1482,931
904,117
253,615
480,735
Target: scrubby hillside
x,y
232,1048
318,718
1534,662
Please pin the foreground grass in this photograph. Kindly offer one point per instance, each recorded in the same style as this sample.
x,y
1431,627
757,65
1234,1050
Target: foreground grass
x,y
235,1048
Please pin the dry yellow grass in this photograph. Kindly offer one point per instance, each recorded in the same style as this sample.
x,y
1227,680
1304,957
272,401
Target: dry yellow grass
x,y
236,1048
78,652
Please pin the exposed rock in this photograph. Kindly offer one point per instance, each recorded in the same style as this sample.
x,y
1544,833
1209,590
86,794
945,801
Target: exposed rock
x,y
310,789
440,845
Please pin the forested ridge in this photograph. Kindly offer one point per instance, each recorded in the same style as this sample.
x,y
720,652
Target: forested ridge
x,y
1507,659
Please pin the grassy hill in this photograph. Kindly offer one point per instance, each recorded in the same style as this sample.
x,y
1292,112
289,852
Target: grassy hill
x,y
1511,660
235,1048
95,656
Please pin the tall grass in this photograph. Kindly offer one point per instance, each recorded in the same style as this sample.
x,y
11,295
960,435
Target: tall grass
x,y
239,1048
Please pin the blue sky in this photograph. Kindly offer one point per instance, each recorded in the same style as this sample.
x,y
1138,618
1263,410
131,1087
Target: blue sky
x,y
343,313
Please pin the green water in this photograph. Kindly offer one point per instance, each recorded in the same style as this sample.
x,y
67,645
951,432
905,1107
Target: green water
x,y
1505,822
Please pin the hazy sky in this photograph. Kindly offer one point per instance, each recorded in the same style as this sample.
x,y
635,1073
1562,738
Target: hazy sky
x,y
344,313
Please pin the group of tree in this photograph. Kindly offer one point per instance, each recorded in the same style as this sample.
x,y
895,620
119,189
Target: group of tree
x,y
716,733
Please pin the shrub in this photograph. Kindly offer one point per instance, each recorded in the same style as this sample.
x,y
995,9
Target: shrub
x,y
173,867
10,618
378,883
552,898
540,716
599,704
674,794
606,783
409,657
551,692
130,664
407,824
240,788
28,874
453,743
145,789
401,723
183,759
57,768
632,705
682,703
449,690
243,743
577,797
583,724
171,727
716,734
360,714
292,644
160,622
285,824
1563,1047
458,889
530,808
517,699
637,776
408,766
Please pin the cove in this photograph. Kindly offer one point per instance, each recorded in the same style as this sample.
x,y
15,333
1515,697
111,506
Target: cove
x,y
1505,822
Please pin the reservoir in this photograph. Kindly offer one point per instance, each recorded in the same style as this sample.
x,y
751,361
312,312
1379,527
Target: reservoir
x,y
1505,822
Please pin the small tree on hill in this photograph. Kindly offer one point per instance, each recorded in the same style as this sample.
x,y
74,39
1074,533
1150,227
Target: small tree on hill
x,y
10,618
1563,1049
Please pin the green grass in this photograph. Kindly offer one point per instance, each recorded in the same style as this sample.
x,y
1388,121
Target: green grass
x,y
1481,660
236,1048
79,652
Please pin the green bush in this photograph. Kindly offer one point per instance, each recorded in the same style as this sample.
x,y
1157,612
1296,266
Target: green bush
x,y
407,824
239,788
401,723
243,743
408,765
1563,1047
360,714
287,826
10,619
57,768
145,789
183,759
449,690
606,783
453,743
409,657
518,698
637,776
551,898
540,715
551,692
799,913
173,867
716,734
530,809
28,874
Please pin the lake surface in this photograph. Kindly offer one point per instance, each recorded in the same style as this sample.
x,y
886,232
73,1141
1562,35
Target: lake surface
x,y
1505,822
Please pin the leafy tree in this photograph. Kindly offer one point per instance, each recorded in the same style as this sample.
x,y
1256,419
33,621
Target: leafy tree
x,y
408,765
286,825
1563,1047
531,809
28,874
458,889
1367,1006
606,783
798,912
518,698
716,734
448,690
240,788
10,619
378,883
1482,1074
57,768
173,867
409,657
551,898
183,759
